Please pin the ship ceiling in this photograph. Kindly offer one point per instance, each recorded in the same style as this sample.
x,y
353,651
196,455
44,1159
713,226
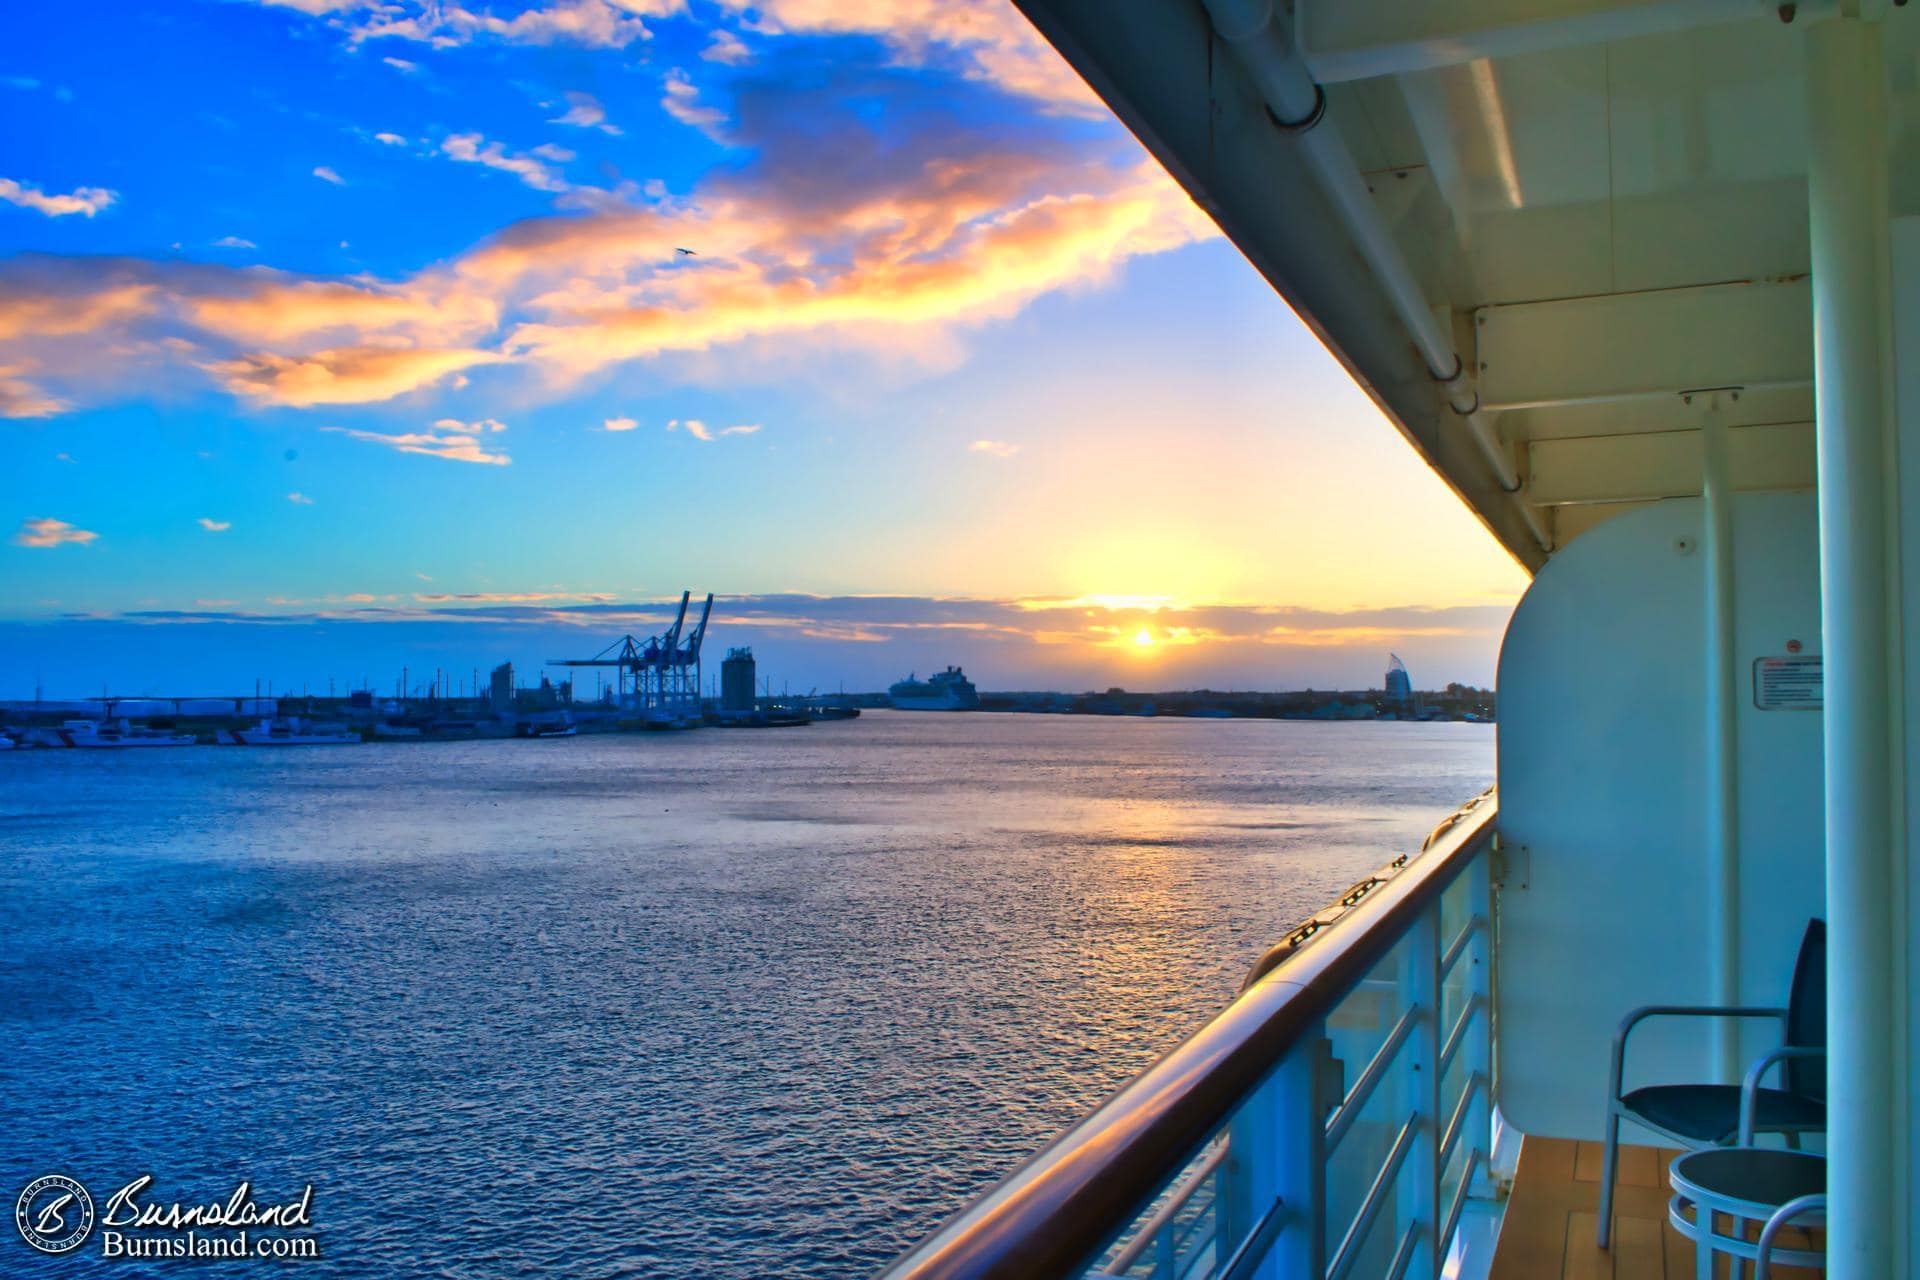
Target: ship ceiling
x,y
1607,199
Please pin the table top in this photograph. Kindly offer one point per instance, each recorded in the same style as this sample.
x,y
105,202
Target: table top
x,y
1749,1181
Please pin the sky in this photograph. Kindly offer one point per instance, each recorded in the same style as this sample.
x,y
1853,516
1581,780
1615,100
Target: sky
x,y
336,338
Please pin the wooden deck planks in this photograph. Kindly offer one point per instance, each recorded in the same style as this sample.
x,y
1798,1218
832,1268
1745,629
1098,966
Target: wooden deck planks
x,y
1551,1216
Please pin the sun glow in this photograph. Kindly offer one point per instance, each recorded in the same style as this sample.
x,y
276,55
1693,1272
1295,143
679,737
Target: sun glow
x,y
1143,639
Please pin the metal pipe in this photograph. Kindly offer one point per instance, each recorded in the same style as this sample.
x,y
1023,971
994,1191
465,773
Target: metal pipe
x,y
1356,1100
1722,744
1847,205
1348,1254
1297,102
1124,1260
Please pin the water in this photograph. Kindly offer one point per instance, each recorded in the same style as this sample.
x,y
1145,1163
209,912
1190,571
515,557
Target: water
x,y
717,1004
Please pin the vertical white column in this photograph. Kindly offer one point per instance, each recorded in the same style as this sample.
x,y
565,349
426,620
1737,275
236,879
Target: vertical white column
x,y
1722,743
1846,182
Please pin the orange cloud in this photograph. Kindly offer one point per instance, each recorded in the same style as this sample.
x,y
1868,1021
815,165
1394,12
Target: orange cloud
x,y
349,375
42,532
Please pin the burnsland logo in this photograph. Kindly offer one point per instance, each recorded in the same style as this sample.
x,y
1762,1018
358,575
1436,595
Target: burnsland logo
x,y
55,1215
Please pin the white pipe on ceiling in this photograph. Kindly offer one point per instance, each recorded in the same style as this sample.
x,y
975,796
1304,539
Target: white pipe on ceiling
x,y
1294,99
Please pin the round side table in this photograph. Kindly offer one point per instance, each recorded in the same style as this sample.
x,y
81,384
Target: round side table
x,y
1746,1184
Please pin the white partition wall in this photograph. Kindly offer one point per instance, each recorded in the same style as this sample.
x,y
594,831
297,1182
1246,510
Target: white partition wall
x,y
1603,794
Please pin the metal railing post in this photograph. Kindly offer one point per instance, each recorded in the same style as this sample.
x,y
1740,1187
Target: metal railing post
x,y
1277,1150
1419,1197
1479,1131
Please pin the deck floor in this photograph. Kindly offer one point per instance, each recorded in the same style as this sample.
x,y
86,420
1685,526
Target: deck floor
x,y
1551,1215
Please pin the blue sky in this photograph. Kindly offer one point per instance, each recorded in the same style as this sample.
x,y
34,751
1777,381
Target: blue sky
x,y
334,337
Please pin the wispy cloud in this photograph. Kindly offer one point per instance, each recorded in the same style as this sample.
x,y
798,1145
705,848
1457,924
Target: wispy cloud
x,y
618,424
42,532
349,375
835,228
326,174
449,438
472,148
986,42
994,448
390,139
299,499
728,49
234,242
682,102
81,200
585,112
401,65
21,399
594,24
214,526
701,431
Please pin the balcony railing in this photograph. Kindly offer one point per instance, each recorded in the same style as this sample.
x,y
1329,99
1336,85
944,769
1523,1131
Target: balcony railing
x,y
1331,1123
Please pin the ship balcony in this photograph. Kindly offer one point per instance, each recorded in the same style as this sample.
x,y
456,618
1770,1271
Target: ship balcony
x,y
1334,1121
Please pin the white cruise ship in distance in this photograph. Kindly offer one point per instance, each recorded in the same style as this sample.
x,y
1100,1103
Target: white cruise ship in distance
x,y
1640,280
948,690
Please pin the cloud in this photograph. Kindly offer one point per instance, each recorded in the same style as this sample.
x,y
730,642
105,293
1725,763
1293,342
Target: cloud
x,y
402,65
450,438
21,399
299,499
986,42
994,448
585,112
326,174
234,242
618,424
390,139
728,49
83,200
594,24
682,102
472,148
214,526
701,431
41,532
837,227
351,375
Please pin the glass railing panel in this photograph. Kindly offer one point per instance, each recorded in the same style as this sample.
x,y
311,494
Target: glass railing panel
x,y
1327,1126
1372,1035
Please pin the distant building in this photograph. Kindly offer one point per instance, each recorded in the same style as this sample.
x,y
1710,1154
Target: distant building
x,y
500,692
737,682
1399,684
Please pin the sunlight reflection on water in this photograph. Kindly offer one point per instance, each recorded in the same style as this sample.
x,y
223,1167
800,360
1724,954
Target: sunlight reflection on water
x,y
725,1004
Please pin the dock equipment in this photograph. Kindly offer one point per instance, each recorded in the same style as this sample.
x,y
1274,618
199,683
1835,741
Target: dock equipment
x,y
657,679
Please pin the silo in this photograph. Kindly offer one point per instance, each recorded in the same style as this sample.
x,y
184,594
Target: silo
x,y
737,683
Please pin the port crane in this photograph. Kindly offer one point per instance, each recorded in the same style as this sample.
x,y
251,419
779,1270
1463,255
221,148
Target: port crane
x,y
657,678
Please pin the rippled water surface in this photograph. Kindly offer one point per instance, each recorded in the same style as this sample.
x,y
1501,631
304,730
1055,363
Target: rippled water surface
x,y
717,1004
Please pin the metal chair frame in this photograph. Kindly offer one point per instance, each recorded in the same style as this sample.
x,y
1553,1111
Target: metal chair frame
x,y
1749,1093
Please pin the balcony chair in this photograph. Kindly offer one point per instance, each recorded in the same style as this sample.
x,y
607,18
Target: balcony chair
x,y
1707,1115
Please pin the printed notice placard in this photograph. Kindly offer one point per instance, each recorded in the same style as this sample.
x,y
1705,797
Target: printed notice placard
x,y
1788,684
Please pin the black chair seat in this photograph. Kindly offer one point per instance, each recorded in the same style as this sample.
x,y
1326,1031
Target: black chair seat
x,y
1711,1112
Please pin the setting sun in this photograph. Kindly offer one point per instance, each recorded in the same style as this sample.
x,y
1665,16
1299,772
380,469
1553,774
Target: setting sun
x,y
1143,639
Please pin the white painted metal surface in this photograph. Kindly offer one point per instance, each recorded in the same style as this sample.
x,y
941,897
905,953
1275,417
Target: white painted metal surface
x,y
1847,188
1604,779
1720,688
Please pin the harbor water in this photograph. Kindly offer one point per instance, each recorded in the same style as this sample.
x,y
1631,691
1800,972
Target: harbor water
x,y
707,1004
